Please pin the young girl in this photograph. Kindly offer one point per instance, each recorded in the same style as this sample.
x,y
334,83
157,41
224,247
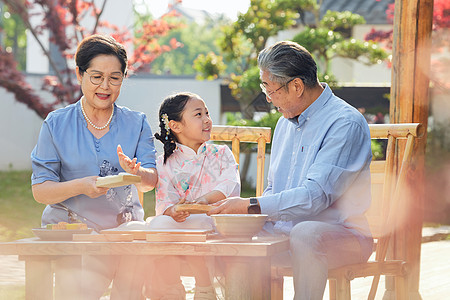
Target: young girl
x,y
190,171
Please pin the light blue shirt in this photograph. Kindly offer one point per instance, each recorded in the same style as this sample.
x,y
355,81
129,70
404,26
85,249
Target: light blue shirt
x,y
67,150
319,167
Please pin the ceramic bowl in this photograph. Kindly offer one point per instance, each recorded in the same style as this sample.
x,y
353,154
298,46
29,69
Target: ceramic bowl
x,y
239,226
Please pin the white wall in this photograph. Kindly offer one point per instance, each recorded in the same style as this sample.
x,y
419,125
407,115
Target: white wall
x,y
347,70
146,94
36,60
19,129
20,126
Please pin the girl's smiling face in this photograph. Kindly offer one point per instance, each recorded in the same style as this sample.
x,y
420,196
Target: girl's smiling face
x,y
195,126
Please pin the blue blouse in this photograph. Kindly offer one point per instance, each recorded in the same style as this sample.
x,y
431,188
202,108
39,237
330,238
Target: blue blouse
x,y
67,150
319,167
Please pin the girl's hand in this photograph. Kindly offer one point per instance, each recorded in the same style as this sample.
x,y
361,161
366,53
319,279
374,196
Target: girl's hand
x,y
90,188
200,200
218,203
129,165
179,216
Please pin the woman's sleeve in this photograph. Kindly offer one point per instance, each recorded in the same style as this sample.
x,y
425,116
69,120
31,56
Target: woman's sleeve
x,y
45,161
146,152
166,193
228,181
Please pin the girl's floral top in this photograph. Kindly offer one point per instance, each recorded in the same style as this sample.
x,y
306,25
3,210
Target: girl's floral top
x,y
192,175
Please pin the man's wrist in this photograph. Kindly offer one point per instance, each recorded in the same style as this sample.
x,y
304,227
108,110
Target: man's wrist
x,y
254,207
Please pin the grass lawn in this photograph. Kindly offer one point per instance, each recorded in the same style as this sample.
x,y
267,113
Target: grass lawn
x,y
19,212
12,292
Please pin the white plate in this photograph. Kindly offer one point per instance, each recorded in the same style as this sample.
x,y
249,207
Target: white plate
x,y
58,234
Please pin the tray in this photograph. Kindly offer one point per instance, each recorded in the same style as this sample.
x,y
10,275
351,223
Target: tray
x,y
193,208
103,237
137,234
120,179
180,231
58,234
142,234
176,237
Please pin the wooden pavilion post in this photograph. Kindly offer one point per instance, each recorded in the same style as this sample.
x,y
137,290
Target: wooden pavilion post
x,y
409,104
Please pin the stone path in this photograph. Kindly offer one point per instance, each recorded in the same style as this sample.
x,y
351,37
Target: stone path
x,y
12,271
434,274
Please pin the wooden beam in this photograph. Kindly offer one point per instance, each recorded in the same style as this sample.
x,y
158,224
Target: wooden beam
x,y
409,104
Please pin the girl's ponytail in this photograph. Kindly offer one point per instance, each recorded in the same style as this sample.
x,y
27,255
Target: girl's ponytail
x,y
166,136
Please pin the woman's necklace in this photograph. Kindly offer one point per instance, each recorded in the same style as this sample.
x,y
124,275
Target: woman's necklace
x,y
90,122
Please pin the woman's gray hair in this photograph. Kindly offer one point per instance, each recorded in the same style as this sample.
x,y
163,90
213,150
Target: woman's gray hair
x,y
285,60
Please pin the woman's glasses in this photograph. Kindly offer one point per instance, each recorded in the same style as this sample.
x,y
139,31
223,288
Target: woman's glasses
x,y
114,79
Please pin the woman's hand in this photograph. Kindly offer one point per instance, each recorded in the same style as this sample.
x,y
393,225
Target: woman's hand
x,y
149,177
51,192
129,165
90,188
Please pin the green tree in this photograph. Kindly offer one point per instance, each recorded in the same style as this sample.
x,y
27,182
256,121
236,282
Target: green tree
x,y
244,39
13,36
327,38
197,39
64,22
212,63
331,37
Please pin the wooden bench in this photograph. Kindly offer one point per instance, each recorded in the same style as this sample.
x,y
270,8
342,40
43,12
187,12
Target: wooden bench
x,y
388,185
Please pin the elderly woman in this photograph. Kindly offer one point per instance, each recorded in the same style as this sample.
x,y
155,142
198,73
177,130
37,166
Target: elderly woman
x,y
91,138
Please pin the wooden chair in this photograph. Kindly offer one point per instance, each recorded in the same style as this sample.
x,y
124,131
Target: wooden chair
x,y
236,135
388,181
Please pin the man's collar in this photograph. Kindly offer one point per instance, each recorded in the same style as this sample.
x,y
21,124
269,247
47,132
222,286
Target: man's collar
x,y
314,107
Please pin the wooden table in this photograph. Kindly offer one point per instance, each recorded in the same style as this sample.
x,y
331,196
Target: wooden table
x,y
247,264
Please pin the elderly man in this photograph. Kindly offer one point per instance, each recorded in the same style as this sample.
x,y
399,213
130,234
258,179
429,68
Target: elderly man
x,y
319,179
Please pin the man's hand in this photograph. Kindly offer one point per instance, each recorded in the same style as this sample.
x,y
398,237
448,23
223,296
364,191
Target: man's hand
x,y
235,205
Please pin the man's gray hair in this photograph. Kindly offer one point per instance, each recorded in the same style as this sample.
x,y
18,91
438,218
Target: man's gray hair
x,y
285,60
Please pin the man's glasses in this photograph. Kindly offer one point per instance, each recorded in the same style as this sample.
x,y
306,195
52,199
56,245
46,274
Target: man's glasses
x,y
268,94
114,79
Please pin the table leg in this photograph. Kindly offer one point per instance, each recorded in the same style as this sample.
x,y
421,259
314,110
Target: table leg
x,y
261,282
247,278
67,278
38,278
